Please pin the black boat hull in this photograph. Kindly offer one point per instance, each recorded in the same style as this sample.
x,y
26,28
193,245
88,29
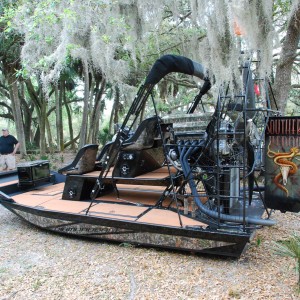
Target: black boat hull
x,y
190,239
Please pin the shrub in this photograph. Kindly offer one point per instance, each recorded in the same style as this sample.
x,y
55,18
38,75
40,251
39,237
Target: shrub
x,y
290,248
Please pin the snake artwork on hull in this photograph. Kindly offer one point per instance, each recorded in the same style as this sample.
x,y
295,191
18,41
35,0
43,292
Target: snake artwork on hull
x,y
287,166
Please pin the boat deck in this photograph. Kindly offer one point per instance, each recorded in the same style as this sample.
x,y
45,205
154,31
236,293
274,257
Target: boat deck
x,y
2,184
158,177
133,204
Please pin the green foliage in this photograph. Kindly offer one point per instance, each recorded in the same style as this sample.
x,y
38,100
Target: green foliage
x,y
126,245
283,5
7,13
31,157
290,248
258,241
163,107
235,294
104,135
31,146
37,284
10,38
22,73
44,157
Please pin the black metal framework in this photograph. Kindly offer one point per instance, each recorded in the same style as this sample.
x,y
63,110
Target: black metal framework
x,y
217,166
229,156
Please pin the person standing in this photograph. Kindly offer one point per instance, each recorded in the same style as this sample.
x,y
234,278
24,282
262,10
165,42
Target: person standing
x,y
8,148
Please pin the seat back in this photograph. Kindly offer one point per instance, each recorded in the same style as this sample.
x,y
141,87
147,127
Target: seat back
x,y
104,151
143,138
83,162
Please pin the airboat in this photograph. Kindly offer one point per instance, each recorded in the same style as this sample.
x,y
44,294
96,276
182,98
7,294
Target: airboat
x,y
202,182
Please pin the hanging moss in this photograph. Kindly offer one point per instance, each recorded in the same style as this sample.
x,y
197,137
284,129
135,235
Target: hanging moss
x,y
106,35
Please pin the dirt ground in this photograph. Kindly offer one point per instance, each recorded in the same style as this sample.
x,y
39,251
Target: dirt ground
x,y
35,264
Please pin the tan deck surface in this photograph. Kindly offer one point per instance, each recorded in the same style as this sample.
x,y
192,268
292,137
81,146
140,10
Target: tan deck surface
x,y
50,190
141,188
117,211
129,207
160,173
149,198
9,182
33,199
167,218
66,206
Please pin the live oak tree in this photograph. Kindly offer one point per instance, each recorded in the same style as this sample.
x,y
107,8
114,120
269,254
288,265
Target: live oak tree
x,y
9,63
102,44
289,56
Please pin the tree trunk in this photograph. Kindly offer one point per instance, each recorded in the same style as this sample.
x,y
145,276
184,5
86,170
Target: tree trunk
x,y
71,142
27,111
85,113
37,136
70,126
41,110
282,84
110,125
117,105
97,111
16,105
58,107
49,134
91,111
42,122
